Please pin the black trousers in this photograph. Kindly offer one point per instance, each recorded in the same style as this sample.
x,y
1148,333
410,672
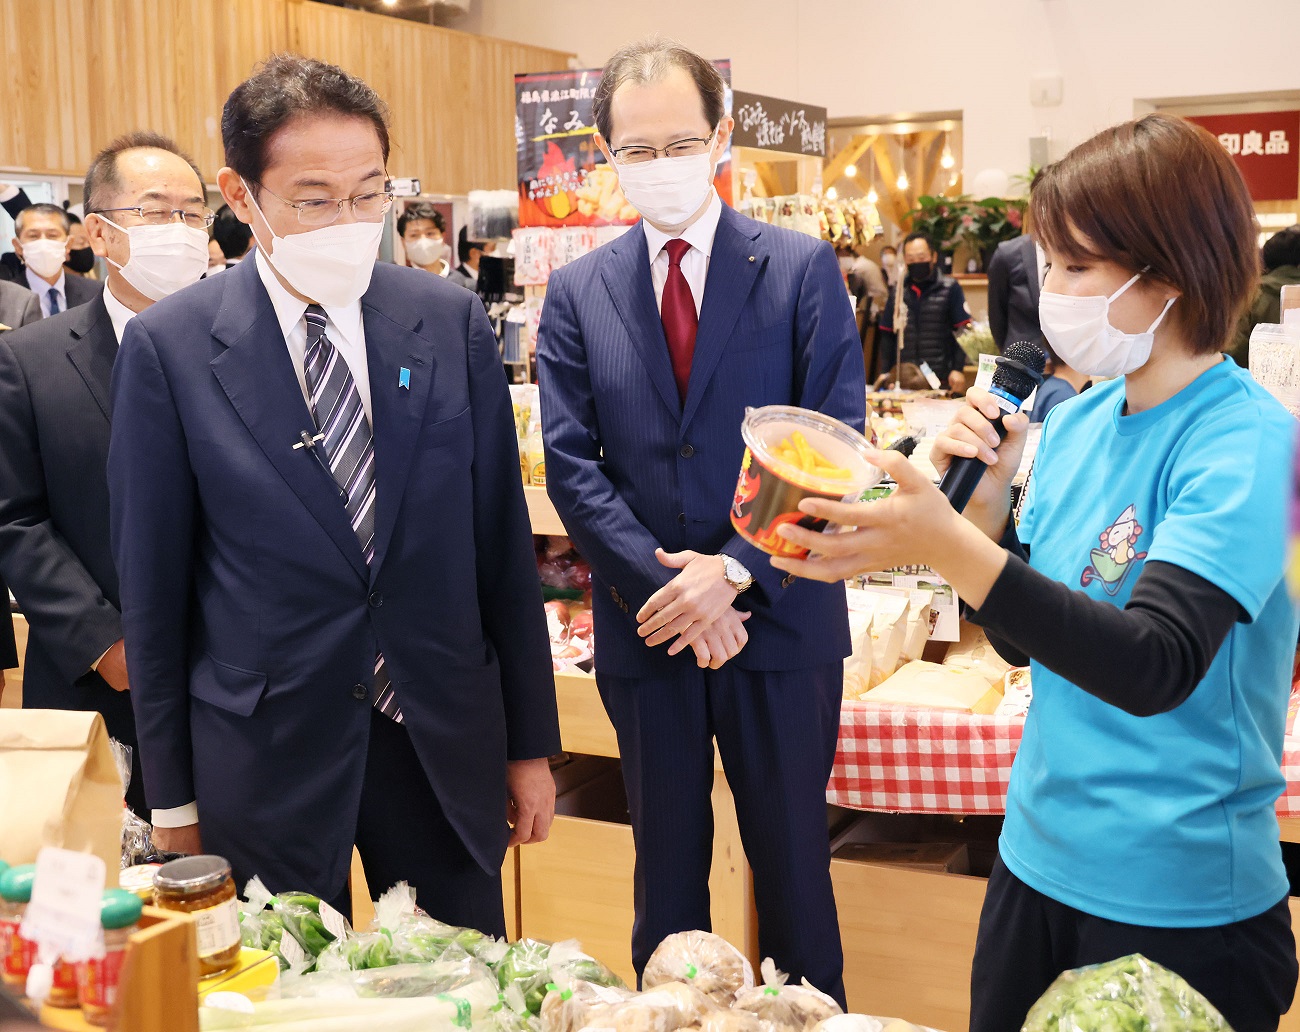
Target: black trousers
x,y
403,835
776,733
1247,969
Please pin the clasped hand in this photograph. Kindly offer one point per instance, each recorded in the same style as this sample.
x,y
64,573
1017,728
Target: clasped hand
x,y
695,607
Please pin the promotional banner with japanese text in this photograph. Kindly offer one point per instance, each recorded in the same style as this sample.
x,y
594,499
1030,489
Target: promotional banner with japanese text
x,y
1266,148
563,178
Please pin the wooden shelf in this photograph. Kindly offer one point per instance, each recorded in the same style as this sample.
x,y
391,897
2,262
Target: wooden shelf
x,y
541,512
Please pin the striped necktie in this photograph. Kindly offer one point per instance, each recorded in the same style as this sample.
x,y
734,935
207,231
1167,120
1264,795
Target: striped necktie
x,y
350,451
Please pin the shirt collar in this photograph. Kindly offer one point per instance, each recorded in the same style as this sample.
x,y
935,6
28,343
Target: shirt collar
x,y
41,288
699,234
118,313
289,310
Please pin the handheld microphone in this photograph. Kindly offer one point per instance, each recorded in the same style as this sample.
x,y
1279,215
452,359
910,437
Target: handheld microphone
x,y
1020,370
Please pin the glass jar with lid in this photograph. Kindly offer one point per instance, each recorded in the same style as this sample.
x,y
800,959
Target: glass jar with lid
x,y
202,887
100,980
17,955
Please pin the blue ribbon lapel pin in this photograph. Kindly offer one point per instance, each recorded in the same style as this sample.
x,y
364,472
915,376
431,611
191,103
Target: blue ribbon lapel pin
x,y
404,378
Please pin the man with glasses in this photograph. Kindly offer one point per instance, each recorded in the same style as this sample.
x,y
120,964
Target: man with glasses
x,y
54,435
333,619
649,352
43,243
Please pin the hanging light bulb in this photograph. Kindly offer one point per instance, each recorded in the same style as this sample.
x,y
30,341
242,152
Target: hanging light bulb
x,y
831,193
850,170
946,160
872,196
903,183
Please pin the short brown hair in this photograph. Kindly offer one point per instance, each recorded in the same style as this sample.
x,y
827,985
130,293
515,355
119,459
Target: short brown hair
x,y
649,60
102,178
281,88
1162,195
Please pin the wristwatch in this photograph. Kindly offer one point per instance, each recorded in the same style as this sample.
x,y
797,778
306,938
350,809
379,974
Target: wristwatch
x,y
735,574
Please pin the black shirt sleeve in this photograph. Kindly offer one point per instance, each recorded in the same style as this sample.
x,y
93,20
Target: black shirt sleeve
x,y
1146,658
17,203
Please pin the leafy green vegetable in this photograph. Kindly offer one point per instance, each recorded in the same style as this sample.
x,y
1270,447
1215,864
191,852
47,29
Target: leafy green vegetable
x,y
1131,994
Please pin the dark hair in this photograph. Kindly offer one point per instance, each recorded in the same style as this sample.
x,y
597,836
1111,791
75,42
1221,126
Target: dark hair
x,y
280,89
43,209
465,244
929,240
421,210
1282,248
907,375
1162,195
649,60
73,220
102,177
232,235
889,247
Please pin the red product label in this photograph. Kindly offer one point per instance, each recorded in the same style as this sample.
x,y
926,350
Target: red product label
x,y
766,501
21,955
100,979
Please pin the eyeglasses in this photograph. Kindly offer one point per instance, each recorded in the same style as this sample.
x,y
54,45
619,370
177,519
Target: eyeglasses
x,y
195,218
366,207
679,149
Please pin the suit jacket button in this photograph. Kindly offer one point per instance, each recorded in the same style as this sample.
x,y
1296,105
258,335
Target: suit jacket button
x,y
613,593
686,451
681,518
787,580
622,605
375,600
359,692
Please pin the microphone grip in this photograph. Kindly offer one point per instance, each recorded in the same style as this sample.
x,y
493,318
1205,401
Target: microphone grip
x,y
963,474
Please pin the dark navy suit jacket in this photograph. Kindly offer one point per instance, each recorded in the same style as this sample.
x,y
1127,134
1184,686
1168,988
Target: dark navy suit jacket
x,y
630,467
251,617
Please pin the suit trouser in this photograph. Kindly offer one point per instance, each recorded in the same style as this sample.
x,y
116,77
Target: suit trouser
x,y
776,733
403,835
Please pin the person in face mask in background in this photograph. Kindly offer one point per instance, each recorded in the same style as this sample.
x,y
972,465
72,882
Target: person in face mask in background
x,y
936,313
301,446
216,259
81,259
889,264
42,244
422,228
1143,584
469,251
54,434
649,350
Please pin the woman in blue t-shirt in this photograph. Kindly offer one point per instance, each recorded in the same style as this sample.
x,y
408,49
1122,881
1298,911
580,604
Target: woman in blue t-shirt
x,y
1143,585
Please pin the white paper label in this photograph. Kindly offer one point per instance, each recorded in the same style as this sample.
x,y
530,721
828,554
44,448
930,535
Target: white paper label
x,y
63,915
333,921
292,952
217,928
930,377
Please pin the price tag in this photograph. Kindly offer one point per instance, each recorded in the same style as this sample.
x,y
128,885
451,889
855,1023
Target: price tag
x,y
292,952
63,915
405,187
334,922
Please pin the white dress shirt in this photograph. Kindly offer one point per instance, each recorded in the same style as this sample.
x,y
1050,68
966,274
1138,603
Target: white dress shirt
x,y
117,312
41,288
695,263
344,328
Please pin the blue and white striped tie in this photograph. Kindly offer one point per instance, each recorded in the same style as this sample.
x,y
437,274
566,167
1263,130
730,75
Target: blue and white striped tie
x,y
350,451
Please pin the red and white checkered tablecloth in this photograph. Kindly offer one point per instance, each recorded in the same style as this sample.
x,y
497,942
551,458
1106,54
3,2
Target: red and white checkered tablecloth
x,y
905,759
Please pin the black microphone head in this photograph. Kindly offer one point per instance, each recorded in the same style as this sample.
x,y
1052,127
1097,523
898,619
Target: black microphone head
x,y
1020,369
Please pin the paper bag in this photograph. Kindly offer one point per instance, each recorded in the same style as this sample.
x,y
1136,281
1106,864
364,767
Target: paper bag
x,y
59,786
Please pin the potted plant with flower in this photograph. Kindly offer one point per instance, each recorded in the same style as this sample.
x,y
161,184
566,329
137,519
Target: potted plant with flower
x,y
991,222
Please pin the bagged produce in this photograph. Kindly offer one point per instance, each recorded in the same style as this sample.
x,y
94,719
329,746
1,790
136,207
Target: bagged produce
x,y
701,959
787,1008
1131,994
573,1005
331,1013
665,1008
529,966
311,924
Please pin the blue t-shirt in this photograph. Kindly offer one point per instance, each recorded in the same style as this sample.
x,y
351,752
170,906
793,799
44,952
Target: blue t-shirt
x,y
1169,820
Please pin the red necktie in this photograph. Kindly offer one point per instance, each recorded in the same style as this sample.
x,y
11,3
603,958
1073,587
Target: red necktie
x,y
679,316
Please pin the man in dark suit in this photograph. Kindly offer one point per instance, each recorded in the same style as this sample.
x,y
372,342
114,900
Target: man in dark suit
x,y
54,434
43,243
8,644
18,306
332,612
1015,281
650,350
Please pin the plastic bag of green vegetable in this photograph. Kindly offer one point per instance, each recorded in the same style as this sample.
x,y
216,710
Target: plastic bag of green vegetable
x,y
528,966
1131,994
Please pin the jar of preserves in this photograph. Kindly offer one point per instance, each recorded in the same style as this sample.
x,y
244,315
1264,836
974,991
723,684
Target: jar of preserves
x,y
63,985
18,955
99,980
202,887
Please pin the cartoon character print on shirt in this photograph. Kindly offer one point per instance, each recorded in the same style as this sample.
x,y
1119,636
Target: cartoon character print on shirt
x,y
1117,555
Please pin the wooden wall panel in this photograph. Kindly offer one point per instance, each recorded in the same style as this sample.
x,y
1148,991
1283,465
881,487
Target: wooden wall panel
x,y
83,71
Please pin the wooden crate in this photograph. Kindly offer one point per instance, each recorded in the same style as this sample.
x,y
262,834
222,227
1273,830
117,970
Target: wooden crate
x,y
909,937
160,983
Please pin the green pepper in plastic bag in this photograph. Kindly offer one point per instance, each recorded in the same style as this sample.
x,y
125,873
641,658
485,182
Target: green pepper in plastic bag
x,y
1131,994
528,965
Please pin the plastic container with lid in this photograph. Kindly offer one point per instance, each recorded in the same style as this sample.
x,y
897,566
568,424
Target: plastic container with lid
x,y
1275,361
770,488
100,980
17,953
202,886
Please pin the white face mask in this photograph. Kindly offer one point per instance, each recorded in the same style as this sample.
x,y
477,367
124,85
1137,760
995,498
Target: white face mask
x,y
668,191
163,258
426,250
45,257
887,261
331,265
1079,330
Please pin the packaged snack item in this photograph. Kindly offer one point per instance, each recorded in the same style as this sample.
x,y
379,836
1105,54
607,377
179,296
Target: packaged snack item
x,y
974,654
99,980
857,668
936,687
536,450
917,628
202,887
666,1008
1017,693
787,1008
701,959
532,256
732,1021
570,1006
888,629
